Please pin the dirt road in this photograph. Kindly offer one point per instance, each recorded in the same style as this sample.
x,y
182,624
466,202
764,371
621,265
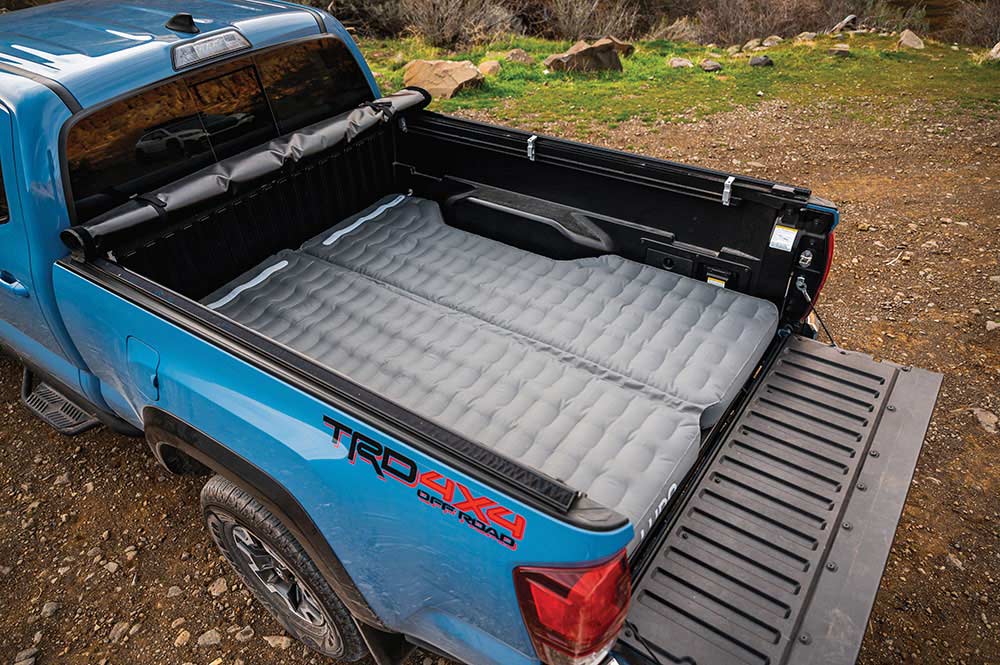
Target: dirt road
x,y
97,543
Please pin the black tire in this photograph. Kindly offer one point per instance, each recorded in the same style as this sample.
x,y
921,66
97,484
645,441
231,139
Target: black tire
x,y
242,528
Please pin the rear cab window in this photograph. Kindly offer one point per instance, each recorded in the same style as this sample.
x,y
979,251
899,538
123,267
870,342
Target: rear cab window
x,y
177,127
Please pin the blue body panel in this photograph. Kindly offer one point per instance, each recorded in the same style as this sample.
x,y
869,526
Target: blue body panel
x,y
424,573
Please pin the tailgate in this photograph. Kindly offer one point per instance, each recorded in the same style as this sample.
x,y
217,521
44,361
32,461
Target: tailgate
x,y
777,552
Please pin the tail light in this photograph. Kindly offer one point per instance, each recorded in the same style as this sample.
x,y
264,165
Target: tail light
x,y
574,614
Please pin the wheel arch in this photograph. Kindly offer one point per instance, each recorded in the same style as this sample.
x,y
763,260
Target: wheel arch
x,y
173,442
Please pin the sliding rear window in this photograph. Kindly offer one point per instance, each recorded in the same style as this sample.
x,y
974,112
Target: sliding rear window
x,y
166,132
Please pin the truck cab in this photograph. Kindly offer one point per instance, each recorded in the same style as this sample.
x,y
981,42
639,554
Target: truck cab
x,y
493,394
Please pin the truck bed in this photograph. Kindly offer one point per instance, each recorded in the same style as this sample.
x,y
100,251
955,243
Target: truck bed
x,y
600,372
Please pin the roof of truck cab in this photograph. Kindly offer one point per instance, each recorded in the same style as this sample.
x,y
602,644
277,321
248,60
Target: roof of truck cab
x,y
100,49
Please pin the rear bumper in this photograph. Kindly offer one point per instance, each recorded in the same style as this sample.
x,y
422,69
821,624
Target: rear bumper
x,y
777,554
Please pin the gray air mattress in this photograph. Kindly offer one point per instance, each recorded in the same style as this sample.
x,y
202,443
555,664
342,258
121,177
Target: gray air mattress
x,y
601,372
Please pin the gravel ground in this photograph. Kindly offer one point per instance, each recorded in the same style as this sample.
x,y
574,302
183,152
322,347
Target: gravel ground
x,y
103,557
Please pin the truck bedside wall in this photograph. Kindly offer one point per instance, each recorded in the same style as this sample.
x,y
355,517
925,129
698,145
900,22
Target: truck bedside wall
x,y
424,572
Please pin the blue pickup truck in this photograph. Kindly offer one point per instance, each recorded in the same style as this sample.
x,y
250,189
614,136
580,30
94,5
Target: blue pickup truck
x,y
504,397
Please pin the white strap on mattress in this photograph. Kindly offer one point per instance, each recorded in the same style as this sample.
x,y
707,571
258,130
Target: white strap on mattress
x,y
267,272
372,215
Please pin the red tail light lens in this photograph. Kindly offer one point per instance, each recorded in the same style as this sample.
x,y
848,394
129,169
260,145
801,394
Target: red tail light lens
x,y
573,614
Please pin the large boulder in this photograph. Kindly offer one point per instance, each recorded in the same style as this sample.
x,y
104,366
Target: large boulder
x,y
679,63
710,65
761,61
752,44
805,37
583,57
839,50
624,49
519,55
442,78
909,39
994,53
848,22
773,40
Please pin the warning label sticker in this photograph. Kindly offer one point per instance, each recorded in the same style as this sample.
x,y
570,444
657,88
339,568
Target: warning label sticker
x,y
783,237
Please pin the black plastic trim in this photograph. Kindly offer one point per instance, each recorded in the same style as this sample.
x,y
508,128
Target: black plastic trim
x,y
164,430
508,476
71,102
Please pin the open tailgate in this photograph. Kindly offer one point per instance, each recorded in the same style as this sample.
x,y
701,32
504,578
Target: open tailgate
x,y
777,552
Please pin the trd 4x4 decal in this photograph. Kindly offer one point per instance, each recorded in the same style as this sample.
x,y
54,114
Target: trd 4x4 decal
x,y
434,489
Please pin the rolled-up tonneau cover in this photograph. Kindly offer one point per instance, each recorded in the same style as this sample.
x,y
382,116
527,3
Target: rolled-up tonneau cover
x,y
87,240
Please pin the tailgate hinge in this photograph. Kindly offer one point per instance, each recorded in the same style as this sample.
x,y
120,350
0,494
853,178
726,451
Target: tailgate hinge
x,y
727,190
531,147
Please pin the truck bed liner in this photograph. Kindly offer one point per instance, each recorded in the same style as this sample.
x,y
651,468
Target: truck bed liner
x,y
600,372
777,552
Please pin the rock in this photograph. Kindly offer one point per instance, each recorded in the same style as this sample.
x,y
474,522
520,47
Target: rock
x,y
442,78
489,67
174,591
955,561
624,49
218,587
278,641
761,61
849,21
678,63
909,39
584,57
182,638
245,635
804,37
734,49
111,567
118,631
30,652
210,638
710,65
987,419
992,325
519,55
61,480
752,44
134,629
773,40
49,610
994,53
178,622
839,50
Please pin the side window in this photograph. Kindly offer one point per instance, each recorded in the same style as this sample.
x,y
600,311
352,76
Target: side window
x,y
4,210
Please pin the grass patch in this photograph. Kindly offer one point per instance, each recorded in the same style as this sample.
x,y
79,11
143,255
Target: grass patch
x,y
649,90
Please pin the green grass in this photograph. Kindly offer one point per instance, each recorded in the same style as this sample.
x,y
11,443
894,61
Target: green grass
x,y
649,90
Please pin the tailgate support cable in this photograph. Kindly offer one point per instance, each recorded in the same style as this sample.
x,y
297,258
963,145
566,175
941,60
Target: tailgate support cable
x,y
800,284
635,631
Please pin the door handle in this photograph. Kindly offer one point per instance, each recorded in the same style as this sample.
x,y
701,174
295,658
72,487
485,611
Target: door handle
x,y
10,283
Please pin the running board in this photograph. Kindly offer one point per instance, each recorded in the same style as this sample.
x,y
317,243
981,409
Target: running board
x,y
777,554
61,413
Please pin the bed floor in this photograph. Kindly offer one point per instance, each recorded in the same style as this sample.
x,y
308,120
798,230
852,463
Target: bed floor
x,y
600,372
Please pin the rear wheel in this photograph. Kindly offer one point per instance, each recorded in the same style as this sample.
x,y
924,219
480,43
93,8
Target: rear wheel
x,y
278,571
